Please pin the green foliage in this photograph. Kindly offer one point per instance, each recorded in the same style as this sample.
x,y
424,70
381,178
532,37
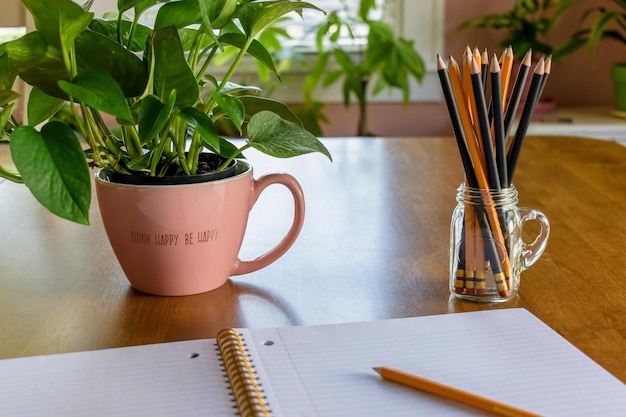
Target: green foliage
x,y
386,58
154,82
528,26
608,24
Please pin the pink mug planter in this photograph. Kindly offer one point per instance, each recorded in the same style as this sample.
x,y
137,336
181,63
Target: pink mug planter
x,y
184,239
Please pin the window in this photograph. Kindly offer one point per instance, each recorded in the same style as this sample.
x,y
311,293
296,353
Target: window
x,y
419,20
302,30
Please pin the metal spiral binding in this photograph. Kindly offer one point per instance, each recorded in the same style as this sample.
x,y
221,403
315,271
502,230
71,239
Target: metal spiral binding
x,y
241,375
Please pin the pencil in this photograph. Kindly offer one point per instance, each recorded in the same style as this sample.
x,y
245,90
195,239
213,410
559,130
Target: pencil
x,y
484,66
498,121
457,126
527,113
546,73
516,92
463,106
470,250
506,68
483,122
501,273
455,394
455,119
468,61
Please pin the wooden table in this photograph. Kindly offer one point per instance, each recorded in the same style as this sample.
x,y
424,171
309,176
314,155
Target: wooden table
x,y
374,245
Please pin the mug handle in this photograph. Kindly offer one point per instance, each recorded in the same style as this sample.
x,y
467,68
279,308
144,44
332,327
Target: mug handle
x,y
532,251
244,267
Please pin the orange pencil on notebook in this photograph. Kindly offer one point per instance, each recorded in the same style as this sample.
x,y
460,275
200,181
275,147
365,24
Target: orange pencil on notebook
x,y
452,393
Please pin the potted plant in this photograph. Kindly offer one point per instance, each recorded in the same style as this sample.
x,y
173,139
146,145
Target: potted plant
x,y
385,61
528,25
154,82
610,24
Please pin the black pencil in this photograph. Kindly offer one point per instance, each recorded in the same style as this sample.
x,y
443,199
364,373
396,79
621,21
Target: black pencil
x,y
485,129
527,113
455,119
498,121
484,63
546,73
516,93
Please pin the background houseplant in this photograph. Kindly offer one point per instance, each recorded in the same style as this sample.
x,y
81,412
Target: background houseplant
x,y
529,24
610,23
154,81
385,61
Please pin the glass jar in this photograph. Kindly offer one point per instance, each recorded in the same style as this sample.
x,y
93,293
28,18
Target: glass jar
x,y
487,252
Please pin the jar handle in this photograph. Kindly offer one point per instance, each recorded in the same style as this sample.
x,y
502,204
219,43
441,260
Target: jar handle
x,y
532,251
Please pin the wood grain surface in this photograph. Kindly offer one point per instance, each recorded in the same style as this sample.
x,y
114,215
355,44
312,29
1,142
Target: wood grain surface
x,y
375,245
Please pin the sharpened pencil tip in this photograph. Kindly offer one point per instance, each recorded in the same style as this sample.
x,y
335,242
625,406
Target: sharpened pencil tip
x,y
547,65
377,368
540,67
527,60
495,66
440,64
474,69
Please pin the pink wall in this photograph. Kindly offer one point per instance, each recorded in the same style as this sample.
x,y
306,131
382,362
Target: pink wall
x,y
575,81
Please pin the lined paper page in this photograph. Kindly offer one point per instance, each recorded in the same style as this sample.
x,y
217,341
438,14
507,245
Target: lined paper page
x,y
151,380
507,355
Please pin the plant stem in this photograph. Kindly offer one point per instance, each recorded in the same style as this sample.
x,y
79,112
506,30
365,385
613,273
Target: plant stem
x,y
207,61
230,72
233,156
10,175
133,144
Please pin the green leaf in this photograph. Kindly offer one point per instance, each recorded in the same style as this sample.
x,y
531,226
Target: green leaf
x,y
232,106
5,115
255,17
141,163
53,167
143,5
113,59
269,133
227,149
96,89
410,59
217,13
7,74
59,21
8,96
41,65
178,14
256,104
171,71
235,89
153,116
312,80
109,29
124,5
201,123
38,63
41,106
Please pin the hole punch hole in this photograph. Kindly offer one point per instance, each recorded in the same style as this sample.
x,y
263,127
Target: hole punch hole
x,y
268,343
193,355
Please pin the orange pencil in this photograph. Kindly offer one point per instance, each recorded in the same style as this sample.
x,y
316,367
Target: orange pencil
x,y
470,250
505,71
452,393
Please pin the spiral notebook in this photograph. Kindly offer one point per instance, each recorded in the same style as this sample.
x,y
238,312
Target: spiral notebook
x,y
507,355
